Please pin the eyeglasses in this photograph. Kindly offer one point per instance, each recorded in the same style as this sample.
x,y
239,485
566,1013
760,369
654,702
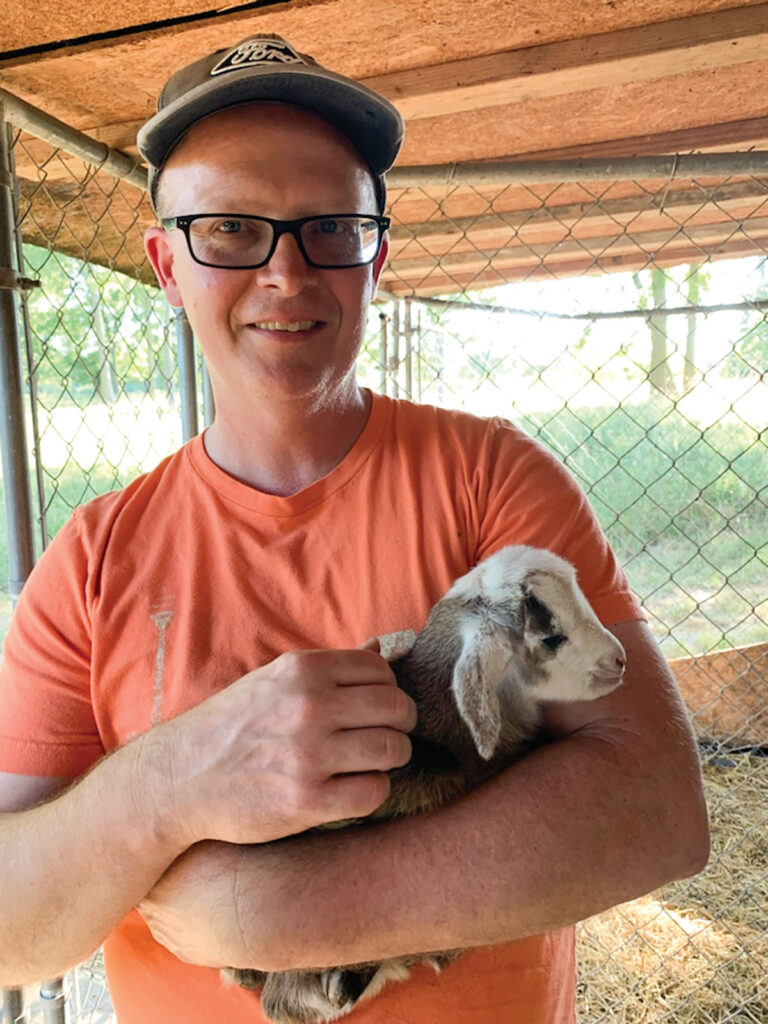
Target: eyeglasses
x,y
240,242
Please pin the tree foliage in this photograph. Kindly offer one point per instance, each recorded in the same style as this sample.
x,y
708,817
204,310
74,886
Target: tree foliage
x,y
94,331
750,351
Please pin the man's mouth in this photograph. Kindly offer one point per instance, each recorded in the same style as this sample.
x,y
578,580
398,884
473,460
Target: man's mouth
x,y
278,325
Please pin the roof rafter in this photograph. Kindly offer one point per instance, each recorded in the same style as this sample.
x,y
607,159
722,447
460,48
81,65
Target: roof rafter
x,y
659,50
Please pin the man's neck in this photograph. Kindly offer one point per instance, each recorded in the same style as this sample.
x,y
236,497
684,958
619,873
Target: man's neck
x,y
283,448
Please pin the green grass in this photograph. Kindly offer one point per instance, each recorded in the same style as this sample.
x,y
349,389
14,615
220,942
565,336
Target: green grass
x,y
685,508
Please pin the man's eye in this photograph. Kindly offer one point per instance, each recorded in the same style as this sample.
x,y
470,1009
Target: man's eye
x,y
554,642
229,227
329,227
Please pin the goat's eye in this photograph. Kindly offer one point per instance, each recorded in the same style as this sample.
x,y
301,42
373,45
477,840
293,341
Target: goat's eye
x,y
552,643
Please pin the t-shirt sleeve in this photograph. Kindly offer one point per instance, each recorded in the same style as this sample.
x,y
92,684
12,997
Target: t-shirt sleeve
x,y
527,496
47,724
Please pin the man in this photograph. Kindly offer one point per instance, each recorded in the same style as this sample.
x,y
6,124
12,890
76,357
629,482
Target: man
x,y
205,630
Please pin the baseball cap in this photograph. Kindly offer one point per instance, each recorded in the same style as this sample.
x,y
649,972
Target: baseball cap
x,y
266,67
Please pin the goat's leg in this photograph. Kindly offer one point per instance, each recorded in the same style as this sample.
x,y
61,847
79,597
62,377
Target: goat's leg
x,y
245,978
313,997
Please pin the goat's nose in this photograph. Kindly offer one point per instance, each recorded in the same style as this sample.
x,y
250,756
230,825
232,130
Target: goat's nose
x,y
613,663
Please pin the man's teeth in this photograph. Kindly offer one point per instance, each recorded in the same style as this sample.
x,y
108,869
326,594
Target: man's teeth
x,y
275,325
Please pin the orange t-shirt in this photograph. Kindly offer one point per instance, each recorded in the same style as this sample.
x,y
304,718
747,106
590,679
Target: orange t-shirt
x,y
155,597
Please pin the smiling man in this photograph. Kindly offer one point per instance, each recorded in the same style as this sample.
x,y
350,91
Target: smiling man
x,y
190,651
279,310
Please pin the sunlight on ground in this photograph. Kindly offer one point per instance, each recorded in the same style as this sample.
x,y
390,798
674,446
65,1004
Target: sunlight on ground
x,y
138,431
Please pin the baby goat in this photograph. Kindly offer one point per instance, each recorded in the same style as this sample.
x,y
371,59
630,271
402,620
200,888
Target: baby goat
x,y
512,632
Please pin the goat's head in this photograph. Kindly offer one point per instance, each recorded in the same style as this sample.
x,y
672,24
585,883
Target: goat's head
x,y
525,623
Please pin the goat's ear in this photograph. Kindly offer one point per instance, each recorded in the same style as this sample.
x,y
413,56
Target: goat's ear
x,y
477,676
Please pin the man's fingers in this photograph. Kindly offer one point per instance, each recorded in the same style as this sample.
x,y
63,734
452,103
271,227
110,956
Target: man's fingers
x,y
355,707
345,668
366,750
364,665
316,734
354,796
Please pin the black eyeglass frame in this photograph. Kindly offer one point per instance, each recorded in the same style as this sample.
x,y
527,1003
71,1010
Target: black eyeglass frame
x,y
279,228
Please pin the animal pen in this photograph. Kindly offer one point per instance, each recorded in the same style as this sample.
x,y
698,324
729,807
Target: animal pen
x,y
615,309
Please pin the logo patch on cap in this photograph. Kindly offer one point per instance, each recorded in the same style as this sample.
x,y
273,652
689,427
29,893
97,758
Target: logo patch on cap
x,y
257,51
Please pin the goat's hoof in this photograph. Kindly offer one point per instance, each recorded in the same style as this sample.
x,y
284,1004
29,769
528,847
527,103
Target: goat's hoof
x,y
307,997
245,978
344,988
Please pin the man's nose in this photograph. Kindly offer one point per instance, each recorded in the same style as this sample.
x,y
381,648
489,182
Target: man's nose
x,y
287,269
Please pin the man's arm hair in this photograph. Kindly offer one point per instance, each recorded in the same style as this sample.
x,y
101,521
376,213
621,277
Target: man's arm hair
x,y
100,840
309,738
611,809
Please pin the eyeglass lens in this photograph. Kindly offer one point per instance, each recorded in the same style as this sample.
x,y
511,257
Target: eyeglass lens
x,y
247,241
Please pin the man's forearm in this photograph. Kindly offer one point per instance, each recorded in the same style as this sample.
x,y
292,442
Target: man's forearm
x,y
611,810
502,864
308,738
506,862
72,868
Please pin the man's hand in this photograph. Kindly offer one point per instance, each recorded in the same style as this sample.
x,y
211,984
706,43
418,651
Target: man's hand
x,y
610,810
305,740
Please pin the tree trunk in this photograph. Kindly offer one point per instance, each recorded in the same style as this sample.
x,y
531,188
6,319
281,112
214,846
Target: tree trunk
x,y
105,375
659,373
692,299
165,368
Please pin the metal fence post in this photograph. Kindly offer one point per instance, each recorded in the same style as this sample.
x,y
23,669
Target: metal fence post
x,y
53,1000
13,1006
209,404
394,360
26,327
384,352
419,337
185,343
18,505
408,357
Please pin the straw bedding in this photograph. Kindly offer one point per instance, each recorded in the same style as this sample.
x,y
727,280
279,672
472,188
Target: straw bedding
x,y
696,951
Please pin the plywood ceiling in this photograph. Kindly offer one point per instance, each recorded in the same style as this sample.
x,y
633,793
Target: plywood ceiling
x,y
475,79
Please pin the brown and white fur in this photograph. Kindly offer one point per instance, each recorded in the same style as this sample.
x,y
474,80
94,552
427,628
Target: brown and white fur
x,y
514,631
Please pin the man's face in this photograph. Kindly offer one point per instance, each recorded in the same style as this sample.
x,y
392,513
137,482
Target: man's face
x,y
271,160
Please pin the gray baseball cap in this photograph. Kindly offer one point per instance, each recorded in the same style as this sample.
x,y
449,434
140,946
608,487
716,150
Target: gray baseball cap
x,y
266,67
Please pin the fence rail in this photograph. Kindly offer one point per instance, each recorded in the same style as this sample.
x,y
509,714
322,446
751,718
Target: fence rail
x,y
616,309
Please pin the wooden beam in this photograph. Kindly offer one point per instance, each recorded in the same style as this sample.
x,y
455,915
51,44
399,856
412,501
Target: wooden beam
x,y
680,46
221,14
727,693
750,133
440,283
739,199
37,161
591,253
33,153
123,134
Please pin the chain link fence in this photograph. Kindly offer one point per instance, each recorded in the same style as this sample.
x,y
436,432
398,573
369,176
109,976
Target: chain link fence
x,y
621,321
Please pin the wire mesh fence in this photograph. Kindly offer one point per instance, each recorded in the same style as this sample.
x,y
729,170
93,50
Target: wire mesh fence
x,y
623,323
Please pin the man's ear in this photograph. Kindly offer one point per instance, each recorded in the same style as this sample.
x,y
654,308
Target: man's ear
x,y
381,259
160,254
